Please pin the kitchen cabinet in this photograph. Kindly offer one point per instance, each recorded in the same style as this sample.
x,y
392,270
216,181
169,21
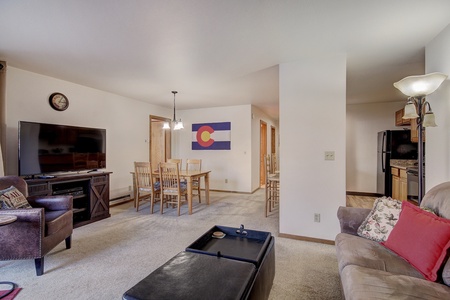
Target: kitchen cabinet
x,y
415,132
399,121
399,184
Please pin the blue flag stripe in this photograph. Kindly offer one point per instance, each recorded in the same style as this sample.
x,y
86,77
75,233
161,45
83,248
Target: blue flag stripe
x,y
215,126
214,146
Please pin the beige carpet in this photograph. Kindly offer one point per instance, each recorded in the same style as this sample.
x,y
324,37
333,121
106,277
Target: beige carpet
x,y
110,256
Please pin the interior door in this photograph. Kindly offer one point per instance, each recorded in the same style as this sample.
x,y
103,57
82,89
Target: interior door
x,y
263,152
160,141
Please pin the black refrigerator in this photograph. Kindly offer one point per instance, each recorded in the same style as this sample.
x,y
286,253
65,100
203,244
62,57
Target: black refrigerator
x,y
392,144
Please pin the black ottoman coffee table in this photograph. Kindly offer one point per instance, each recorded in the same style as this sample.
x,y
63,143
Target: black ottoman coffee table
x,y
195,276
238,265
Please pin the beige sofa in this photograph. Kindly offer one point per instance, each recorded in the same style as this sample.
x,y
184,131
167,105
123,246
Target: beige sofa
x,y
369,270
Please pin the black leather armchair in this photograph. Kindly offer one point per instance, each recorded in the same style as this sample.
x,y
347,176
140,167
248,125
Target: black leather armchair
x,y
37,230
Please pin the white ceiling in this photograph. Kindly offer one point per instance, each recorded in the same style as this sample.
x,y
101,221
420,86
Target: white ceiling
x,y
218,53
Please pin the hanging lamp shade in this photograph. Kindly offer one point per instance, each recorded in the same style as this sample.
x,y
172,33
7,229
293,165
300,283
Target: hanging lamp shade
x,y
429,119
178,125
166,125
420,85
410,110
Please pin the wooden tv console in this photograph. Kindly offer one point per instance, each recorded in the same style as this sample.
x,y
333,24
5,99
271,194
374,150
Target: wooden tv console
x,y
90,193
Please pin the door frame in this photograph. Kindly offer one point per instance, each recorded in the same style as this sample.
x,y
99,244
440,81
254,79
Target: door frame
x,y
262,151
167,138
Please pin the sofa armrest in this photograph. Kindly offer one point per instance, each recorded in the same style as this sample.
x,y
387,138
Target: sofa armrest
x,y
350,218
22,238
51,203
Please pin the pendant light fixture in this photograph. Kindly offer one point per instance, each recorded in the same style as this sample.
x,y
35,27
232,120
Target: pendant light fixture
x,y
176,124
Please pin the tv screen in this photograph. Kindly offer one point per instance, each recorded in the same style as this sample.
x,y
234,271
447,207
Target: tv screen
x,y
51,148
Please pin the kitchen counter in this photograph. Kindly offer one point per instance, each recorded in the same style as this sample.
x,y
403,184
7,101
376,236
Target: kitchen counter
x,y
403,164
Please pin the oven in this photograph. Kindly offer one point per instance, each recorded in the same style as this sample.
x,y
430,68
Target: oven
x,y
412,174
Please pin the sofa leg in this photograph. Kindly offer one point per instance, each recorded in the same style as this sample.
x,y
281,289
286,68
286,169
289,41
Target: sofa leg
x,y
69,242
39,263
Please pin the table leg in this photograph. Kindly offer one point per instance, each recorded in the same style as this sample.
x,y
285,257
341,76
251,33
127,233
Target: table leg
x,y
134,190
207,188
189,193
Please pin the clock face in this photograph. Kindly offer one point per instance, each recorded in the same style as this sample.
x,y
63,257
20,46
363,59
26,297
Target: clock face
x,y
58,101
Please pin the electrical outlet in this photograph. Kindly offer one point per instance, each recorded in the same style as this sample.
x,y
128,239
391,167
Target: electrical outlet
x,y
317,217
226,180
329,155
129,188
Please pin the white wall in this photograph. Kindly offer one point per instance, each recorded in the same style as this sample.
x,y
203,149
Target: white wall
x,y
126,120
234,164
364,121
437,146
312,121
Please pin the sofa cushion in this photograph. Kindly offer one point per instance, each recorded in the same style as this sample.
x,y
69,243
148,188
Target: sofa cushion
x,y
381,219
421,238
12,198
363,283
355,250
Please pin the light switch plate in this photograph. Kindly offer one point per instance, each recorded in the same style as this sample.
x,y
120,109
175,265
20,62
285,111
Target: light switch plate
x,y
329,155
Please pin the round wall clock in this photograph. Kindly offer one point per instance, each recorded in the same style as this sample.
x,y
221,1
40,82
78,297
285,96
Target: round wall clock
x,y
58,101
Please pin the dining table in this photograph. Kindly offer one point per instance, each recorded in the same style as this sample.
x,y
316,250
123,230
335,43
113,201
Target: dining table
x,y
189,176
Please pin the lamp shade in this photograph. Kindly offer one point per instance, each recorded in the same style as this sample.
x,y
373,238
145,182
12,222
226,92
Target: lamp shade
x,y
178,125
429,120
166,125
420,85
410,111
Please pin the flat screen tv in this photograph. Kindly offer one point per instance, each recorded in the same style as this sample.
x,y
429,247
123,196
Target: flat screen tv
x,y
52,148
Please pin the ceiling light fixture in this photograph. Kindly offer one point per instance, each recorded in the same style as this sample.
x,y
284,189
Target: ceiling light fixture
x,y
177,124
417,88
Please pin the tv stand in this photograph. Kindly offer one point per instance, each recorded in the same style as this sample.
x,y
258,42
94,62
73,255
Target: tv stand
x,y
90,193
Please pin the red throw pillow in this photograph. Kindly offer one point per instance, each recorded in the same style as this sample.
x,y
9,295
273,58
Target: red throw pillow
x,y
421,238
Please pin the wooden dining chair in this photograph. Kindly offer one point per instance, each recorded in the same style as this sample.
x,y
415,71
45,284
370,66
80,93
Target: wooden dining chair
x,y
195,165
148,189
274,163
272,186
171,188
179,161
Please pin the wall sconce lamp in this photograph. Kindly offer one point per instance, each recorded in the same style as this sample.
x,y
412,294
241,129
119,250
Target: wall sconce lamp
x,y
177,124
417,88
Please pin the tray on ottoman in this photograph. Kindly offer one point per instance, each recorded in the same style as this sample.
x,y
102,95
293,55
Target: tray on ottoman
x,y
196,276
237,243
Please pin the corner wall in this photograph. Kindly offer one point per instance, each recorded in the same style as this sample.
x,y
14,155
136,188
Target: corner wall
x,y
437,146
312,121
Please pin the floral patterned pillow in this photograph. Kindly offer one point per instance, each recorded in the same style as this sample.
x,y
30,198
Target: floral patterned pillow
x,y
381,220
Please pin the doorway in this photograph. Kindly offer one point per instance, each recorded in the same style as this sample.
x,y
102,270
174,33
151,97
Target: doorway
x,y
160,141
263,152
273,143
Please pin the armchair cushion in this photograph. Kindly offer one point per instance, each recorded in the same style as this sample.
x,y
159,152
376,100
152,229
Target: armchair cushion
x,y
13,198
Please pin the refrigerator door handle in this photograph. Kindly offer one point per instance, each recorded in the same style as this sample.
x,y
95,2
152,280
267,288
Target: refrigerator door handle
x,y
383,152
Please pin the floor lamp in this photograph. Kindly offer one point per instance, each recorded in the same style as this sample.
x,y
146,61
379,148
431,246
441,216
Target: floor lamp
x,y
417,88
2,170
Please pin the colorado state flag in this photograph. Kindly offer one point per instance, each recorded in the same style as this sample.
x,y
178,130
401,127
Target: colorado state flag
x,y
211,136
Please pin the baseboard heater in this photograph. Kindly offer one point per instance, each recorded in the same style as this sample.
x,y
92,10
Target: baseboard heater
x,y
120,199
